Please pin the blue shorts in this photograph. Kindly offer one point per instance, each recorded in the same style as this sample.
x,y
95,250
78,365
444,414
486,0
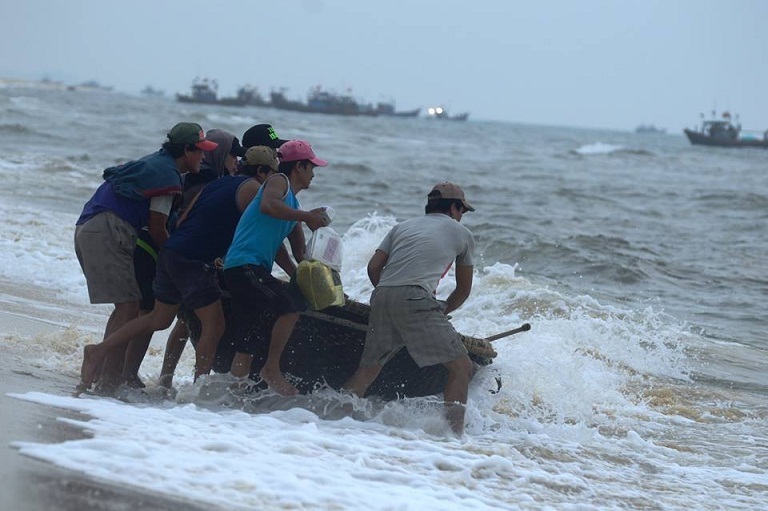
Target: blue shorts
x,y
185,281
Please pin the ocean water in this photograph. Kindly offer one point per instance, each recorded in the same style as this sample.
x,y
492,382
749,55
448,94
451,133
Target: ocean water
x,y
639,260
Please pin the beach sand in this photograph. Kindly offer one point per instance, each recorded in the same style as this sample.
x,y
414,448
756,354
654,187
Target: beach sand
x,y
27,484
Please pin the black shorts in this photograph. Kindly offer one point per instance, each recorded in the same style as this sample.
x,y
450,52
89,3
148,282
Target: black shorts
x,y
185,281
144,266
259,299
254,285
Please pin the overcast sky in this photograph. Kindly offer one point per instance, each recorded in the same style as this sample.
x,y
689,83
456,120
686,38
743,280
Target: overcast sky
x,y
592,63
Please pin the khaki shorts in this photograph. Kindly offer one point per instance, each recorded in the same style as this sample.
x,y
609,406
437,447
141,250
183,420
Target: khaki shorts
x,y
409,316
104,245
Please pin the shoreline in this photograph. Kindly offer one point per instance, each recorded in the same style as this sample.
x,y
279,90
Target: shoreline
x,y
28,484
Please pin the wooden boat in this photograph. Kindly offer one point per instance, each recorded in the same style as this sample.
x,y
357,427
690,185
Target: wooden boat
x,y
724,133
326,346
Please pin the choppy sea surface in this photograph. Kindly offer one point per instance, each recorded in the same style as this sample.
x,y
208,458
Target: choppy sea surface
x,y
639,260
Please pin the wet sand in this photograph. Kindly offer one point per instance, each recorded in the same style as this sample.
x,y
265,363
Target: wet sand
x,y
27,484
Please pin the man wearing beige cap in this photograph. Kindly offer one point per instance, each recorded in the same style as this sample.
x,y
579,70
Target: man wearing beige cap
x,y
405,271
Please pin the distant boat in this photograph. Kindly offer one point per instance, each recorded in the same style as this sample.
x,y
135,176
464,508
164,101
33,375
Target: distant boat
x,y
322,102
388,109
247,95
650,128
722,132
325,102
203,91
206,92
438,112
89,85
152,92
277,99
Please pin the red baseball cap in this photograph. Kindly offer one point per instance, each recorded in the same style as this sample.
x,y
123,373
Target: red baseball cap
x,y
297,150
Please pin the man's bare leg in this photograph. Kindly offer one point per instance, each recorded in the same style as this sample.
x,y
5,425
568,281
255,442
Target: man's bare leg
x,y
94,354
271,373
103,368
134,356
174,347
456,390
212,328
241,365
359,382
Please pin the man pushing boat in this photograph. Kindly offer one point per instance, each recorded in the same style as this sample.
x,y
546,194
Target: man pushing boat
x,y
405,271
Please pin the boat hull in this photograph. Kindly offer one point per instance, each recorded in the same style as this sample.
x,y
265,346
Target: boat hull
x,y
325,350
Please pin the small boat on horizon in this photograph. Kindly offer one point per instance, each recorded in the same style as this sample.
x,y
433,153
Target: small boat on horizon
x,y
438,112
650,129
206,92
722,132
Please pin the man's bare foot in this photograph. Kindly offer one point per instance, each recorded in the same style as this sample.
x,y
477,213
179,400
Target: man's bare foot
x,y
135,382
89,371
277,382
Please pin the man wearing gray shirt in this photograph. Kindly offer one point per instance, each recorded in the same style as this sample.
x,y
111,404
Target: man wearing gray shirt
x,y
405,271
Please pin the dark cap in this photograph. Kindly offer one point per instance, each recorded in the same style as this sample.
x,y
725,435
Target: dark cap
x,y
446,190
237,149
190,133
262,134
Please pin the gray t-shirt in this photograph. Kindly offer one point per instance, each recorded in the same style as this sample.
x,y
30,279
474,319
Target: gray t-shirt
x,y
421,251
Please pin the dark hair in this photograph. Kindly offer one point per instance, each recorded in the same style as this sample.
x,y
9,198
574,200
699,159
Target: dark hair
x,y
253,170
178,150
441,205
286,167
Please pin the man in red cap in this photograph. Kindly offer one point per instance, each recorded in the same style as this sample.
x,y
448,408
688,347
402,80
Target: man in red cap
x,y
133,196
274,215
405,271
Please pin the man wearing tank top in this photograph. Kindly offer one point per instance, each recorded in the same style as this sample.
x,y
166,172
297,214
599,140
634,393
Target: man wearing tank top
x,y
405,271
274,215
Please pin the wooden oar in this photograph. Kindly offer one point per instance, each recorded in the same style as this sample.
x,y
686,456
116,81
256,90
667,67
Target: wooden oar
x,y
522,328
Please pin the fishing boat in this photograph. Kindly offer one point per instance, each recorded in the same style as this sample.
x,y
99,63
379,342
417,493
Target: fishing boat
x,y
438,112
152,92
723,132
388,109
320,101
206,92
650,129
203,91
247,95
279,100
326,346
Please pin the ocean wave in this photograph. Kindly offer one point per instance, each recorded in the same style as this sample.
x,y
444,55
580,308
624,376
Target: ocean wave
x,y
600,148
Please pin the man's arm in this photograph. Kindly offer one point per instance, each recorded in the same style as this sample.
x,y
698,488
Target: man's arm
x,y
156,228
376,266
298,245
246,193
284,260
464,275
272,204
